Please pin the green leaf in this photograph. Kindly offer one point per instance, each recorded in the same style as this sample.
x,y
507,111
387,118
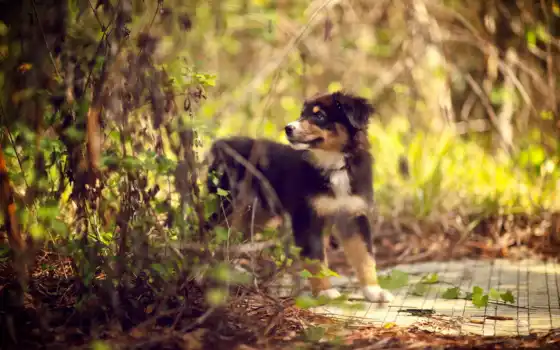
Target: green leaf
x,y
507,297
315,333
59,227
222,234
480,300
420,289
3,29
10,151
494,294
100,345
205,79
542,33
37,231
216,296
451,293
221,273
75,134
531,39
305,274
430,278
210,207
48,212
477,290
221,192
326,272
547,115
396,279
226,273
132,163
159,268
306,302
497,95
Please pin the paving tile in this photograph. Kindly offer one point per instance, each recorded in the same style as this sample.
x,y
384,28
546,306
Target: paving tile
x,y
534,284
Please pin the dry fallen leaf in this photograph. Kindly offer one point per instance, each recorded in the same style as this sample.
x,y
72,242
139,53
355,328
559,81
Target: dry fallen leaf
x,y
136,333
244,347
194,340
476,321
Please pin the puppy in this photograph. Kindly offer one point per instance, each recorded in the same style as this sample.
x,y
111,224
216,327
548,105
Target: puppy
x,y
323,181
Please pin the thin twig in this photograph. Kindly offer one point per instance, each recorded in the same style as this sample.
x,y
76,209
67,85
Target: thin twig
x,y
272,65
35,12
486,103
96,16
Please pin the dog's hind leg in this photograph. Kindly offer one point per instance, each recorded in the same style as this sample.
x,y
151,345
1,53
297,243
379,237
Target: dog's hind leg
x,y
357,244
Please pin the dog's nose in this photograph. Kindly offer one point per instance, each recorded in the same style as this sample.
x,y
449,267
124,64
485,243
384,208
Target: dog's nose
x,y
289,129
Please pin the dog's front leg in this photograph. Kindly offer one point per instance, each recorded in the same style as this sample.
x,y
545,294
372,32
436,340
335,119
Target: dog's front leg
x,y
356,241
313,252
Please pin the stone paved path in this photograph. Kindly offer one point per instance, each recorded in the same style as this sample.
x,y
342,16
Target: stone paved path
x,y
534,284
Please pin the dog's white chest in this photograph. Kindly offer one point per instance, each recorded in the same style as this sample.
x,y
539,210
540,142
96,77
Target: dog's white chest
x,y
340,182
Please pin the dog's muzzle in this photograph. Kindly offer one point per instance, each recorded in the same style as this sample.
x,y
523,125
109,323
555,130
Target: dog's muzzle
x,y
291,129
296,136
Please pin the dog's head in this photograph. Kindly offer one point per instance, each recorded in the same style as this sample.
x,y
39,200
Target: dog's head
x,y
329,122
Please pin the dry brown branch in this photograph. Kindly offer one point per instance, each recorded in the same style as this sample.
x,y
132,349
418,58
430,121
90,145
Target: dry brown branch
x,y
15,238
232,249
94,140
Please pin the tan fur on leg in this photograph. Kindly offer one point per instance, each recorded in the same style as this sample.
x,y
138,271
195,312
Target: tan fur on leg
x,y
326,243
364,264
359,258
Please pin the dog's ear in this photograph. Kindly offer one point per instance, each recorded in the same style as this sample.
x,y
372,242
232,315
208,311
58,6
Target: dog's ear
x,y
357,109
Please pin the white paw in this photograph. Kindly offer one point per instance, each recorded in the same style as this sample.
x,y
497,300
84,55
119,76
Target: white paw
x,y
331,293
376,294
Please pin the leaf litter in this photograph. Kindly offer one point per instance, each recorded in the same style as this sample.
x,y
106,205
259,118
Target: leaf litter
x,y
53,312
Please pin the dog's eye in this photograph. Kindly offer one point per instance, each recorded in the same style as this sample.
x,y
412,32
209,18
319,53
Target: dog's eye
x,y
320,116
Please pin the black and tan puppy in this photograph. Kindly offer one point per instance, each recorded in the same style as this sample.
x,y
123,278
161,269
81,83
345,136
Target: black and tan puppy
x,y
323,181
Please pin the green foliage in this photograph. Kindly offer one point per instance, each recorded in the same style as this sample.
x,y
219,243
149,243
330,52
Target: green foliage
x,y
430,278
315,333
325,272
396,279
451,293
228,275
216,296
478,297
308,302
447,173
420,289
100,345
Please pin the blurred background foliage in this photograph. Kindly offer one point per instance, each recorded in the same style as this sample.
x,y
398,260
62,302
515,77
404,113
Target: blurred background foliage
x,y
466,91
466,94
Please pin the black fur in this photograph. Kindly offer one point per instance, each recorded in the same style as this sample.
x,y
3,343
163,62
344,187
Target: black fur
x,y
294,178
